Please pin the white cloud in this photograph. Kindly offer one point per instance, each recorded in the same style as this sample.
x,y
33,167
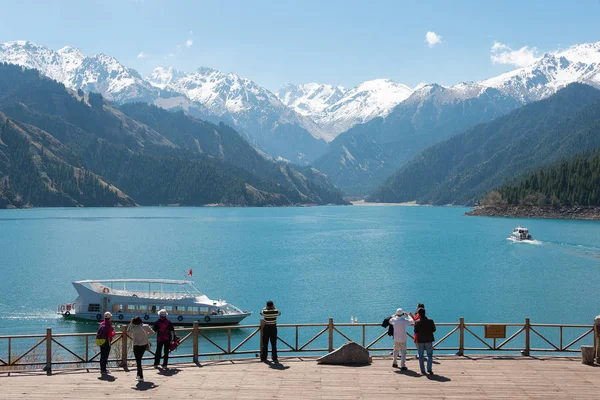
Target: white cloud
x,y
432,38
502,54
142,55
189,43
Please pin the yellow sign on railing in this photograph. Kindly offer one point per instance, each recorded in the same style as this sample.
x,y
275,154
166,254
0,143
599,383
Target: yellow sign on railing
x,y
495,331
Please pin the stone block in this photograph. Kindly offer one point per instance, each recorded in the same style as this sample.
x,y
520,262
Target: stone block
x,y
350,353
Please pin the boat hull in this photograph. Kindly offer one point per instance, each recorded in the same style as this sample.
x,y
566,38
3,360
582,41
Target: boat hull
x,y
212,320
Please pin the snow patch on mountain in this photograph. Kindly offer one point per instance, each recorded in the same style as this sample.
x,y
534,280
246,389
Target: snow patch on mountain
x,y
337,110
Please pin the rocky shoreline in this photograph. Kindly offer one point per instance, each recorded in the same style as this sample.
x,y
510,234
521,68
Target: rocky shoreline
x,y
577,212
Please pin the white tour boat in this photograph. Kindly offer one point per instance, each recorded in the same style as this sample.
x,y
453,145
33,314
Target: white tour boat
x,y
519,234
128,298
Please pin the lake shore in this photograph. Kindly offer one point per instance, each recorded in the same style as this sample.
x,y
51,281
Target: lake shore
x,y
584,213
367,204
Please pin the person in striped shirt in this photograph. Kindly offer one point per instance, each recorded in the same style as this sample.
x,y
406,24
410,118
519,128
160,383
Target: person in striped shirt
x,y
269,314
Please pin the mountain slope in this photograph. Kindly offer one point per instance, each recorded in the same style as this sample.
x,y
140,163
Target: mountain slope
x,y
223,143
362,158
36,170
462,168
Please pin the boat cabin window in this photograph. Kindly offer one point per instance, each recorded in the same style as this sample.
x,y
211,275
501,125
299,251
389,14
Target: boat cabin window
x,y
203,310
117,308
178,310
143,309
130,308
154,309
93,307
192,310
168,309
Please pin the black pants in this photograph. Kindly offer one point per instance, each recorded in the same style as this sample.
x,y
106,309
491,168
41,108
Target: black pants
x,y
269,334
159,349
138,352
104,353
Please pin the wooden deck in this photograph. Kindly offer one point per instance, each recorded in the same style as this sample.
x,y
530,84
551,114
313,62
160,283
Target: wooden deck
x,y
301,378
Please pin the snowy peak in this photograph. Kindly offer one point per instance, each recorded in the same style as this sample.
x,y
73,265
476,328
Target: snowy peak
x,y
551,73
57,65
311,98
161,77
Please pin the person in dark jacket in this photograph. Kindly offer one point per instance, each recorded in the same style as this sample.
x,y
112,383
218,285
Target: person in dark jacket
x,y
165,330
424,329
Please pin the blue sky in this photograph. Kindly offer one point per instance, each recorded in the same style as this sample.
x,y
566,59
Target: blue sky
x,y
327,41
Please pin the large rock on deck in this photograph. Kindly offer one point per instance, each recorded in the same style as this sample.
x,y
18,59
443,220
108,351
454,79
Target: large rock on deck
x,y
349,354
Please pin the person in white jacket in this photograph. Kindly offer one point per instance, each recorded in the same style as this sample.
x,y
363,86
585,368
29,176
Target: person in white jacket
x,y
400,321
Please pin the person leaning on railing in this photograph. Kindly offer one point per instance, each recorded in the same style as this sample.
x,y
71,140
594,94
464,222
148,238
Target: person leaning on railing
x,y
270,314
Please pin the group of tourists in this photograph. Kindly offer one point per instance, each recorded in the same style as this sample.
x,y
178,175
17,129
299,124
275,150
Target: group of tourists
x,y
424,328
166,341
423,336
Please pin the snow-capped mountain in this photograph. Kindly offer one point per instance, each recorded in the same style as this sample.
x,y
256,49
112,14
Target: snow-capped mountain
x,y
58,65
336,110
100,73
311,98
253,109
104,74
580,63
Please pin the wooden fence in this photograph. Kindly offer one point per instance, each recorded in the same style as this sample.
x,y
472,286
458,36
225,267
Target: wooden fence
x,y
51,350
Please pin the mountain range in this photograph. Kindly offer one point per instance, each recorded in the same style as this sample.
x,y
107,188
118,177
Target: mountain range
x,y
358,137
60,147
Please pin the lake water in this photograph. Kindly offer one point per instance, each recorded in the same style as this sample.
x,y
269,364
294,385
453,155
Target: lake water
x,y
314,262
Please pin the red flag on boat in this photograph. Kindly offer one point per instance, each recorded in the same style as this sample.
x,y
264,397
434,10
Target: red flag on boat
x,y
190,273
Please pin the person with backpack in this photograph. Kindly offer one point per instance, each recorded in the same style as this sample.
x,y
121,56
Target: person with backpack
x,y
400,321
165,331
424,329
140,333
104,336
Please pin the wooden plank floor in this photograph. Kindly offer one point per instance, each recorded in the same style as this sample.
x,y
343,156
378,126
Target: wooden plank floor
x,y
456,378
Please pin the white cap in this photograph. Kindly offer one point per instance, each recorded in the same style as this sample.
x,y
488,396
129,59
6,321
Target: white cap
x,y
107,315
399,311
162,313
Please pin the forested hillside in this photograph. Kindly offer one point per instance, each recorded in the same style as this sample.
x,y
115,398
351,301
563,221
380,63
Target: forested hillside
x,y
566,183
461,169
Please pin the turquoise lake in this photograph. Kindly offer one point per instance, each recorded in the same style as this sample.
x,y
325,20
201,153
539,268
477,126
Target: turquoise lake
x,y
314,262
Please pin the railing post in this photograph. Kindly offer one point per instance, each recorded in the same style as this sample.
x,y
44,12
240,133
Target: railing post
x,y
48,367
228,340
330,335
261,328
124,346
527,337
195,342
461,337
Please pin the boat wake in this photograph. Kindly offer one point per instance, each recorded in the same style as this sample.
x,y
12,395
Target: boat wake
x,y
536,242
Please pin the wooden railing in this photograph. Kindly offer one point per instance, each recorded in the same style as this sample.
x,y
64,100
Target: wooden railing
x,y
208,342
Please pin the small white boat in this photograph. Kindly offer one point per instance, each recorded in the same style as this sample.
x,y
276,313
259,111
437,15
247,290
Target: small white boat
x,y
520,234
128,298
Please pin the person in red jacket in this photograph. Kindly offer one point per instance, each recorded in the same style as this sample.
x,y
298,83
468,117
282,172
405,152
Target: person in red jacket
x,y
415,318
103,337
165,331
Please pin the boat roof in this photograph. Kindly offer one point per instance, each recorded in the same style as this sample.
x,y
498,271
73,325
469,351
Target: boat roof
x,y
167,281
